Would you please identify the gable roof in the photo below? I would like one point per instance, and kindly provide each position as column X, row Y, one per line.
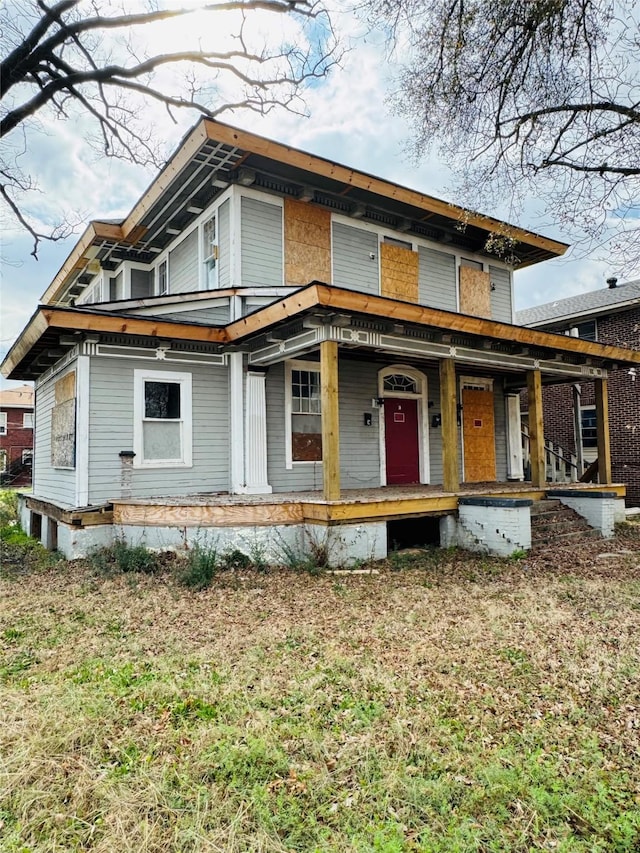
column 583, row 305
column 214, row 156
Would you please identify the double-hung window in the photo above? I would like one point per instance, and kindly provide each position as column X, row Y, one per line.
column 162, row 418
column 210, row 253
column 162, row 278
column 3, row 423
column 27, row 420
column 588, row 426
column 305, row 414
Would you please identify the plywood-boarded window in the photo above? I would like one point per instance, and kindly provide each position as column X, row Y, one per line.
column 475, row 290
column 398, row 271
column 307, row 243
column 63, row 423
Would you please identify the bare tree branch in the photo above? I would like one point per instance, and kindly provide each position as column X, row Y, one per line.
column 63, row 62
column 528, row 99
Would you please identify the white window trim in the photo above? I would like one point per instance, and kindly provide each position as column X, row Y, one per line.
column 289, row 367
column 164, row 259
column 186, row 418
column 3, row 423
column 27, row 420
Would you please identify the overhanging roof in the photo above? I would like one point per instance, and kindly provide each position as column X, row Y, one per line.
column 214, row 156
column 51, row 327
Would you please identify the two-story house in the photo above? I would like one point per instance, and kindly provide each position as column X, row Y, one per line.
column 609, row 315
column 277, row 346
column 16, row 435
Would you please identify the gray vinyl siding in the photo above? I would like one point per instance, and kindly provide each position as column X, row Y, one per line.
column 111, row 430
column 262, row 253
column 183, row 265
column 53, row 484
column 217, row 316
column 141, row 284
column 435, row 433
column 224, row 244
column 500, row 421
column 437, row 286
column 255, row 303
column 501, row 307
column 359, row 445
column 353, row 266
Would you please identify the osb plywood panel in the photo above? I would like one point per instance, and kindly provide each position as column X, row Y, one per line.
column 479, row 436
column 307, row 243
column 475, row 292
column 398, row 272
column 66, row 388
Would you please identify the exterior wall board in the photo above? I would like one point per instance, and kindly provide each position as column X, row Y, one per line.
column 224, row 245
column 262, row 261
column 111, row 430
column 437, row 279
column 501, row 304
column 353, row 266
column 359, row 445
column 183, row 265
column 217, row 316
column 53, row 484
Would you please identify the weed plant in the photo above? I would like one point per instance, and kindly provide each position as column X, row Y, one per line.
column 198, row 569
column 125, row 558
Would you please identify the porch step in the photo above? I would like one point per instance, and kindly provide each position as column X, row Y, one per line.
column 553, row 523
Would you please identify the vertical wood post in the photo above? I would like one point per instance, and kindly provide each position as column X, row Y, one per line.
column 602, row 429
column 449, row 415
column 330, row 422
column 536, row 428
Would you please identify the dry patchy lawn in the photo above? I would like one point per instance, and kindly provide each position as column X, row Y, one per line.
column 447, row 703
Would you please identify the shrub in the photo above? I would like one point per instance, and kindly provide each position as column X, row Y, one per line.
column 8, row 507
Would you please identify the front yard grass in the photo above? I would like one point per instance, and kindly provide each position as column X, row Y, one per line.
column 447, row 703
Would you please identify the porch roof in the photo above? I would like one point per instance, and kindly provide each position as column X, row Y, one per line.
column 54, row 330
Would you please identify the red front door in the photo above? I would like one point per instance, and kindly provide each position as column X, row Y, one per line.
column 401, row 441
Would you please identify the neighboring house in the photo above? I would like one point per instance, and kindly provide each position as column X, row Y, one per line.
column 609, row 315
column 16, row 435
column 273, row 347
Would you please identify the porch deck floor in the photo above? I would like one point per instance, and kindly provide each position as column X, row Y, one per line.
column 377, row 494
column 354, row 505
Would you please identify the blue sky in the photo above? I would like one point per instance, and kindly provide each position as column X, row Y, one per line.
column 348, row 121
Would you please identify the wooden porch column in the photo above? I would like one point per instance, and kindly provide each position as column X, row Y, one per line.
column 536, row 428
column 330, row 422
column 449, row 415
column 602, row 430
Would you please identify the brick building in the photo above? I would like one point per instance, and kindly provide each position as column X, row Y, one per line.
column 610, row 316
column 16, row 435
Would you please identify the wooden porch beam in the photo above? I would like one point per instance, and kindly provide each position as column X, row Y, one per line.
column 536, row 428
column 330, row 422
column 449, row 415
column 602, row 430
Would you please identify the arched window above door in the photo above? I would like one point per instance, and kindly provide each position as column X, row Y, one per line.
column 400, row 383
